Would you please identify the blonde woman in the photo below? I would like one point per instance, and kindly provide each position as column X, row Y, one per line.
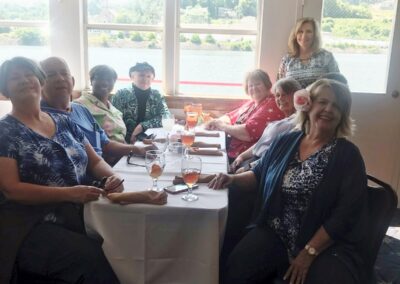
column 311, row 206
column 306, row 61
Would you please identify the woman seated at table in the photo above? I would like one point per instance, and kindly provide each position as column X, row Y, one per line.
column 44, row 159
column 306, row 60
column 246, row 123
column 283, row 91
column 102, row 78
column 311, row 200
column 142, row 107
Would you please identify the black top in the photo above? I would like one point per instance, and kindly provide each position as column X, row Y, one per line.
column 142, row 97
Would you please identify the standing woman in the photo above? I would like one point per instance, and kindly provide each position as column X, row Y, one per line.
column 306, row 60
column 102, row 78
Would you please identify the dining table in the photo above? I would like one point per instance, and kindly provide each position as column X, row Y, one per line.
column 178, row 242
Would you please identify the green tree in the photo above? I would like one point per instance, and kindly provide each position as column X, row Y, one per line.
column 340, row 9
column 29, row 37
column 196, row 39
column 247, row 8
column 210, row 39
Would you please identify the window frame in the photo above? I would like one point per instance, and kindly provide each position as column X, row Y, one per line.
column 171, row 30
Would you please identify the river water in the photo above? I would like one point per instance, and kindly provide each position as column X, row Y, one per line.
column 364, row 72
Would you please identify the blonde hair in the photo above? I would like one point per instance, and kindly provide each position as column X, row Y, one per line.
column 294, row 48
column 342, row 94
column 257, row 74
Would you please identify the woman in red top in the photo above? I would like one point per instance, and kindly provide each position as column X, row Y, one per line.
column 246, row 123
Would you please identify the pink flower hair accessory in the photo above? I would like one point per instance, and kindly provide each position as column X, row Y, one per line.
column 302, row 100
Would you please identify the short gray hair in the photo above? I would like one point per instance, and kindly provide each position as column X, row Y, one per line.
column 20, row 61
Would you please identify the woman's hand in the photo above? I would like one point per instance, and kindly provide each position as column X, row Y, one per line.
column 141, row 151
column 114, row 184
column 236, row 163
column 156, row 197
column 215, row 124
column 83, row 193
column 298, row 269
column 220, row 181
column 133, row 139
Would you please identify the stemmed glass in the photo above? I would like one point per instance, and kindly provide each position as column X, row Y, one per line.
column 187, row 138
column 191, row 169
column 155, row 163
column 191, row 119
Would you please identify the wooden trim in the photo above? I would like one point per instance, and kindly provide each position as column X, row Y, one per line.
column 214, row 105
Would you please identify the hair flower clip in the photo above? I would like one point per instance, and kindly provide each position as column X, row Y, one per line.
column 302, row 100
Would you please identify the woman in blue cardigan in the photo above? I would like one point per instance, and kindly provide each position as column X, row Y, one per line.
column 311, row 199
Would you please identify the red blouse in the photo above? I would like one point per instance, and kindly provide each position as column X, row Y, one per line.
column 256, row 118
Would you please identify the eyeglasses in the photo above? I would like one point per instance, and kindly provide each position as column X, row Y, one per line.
column 128, row 160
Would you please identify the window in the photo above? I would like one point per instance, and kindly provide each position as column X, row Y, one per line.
column 24, row 29
column 358, row 33
column 123, row 32
column 217, row 45
column 213, row 35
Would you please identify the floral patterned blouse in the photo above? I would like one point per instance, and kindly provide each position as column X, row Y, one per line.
column 126, row 101
column 59, row 161
column 299, row 181
column 320, row 63
column 107, row 116
column 256, row 118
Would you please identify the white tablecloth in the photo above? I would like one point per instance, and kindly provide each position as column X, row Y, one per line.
column 175, row 243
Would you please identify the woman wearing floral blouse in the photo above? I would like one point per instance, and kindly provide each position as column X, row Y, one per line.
column 141, row 106
column 102, row 78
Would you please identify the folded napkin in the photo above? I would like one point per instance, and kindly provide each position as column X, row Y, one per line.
column 202, row 179
column 205, row 152
column 200, row 144
column 206, row 134
column 147, row 196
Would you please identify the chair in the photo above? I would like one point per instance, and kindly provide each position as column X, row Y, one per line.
column 382, row 203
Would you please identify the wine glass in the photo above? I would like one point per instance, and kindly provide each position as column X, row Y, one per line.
column 191, row 169
column 191, row 119
column 162, row 141
column 187, row 138
column 155, row 163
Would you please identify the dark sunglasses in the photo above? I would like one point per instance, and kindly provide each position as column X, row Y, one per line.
column 128, row 160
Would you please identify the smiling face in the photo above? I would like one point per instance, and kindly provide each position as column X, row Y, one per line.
column 305, row 36
column 23, row 85
column 142, row 79
column 325, row 114
column 102, row 85
column 59, row 83
column 284, row 101
column 257, row 90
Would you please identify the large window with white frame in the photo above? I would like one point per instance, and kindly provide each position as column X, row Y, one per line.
column 359, row 34
column 24, row 29
column 207, row 46
column 123, row 32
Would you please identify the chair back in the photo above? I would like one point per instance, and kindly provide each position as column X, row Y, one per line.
column 382, row 203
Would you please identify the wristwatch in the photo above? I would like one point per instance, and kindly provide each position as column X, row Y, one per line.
column 311, row 250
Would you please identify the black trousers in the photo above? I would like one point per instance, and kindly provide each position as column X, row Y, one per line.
column 54, row 254
column 260, row 257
